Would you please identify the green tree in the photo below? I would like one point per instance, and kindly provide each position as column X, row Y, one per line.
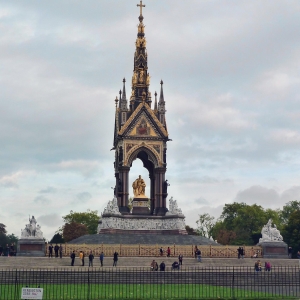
column 73, row 231
column 205, row 225
column 2, row 228
column 291, row 232
column 241, row 224
column 57, row 239
column 287, row 209
column 190, row 230
column 230, row 212
column 89, row 218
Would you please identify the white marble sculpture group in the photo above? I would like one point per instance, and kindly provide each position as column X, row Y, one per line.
column 32, row 230
column 115, row 222
column 270, row 234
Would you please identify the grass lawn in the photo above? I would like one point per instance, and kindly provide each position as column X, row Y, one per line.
column 136, row 291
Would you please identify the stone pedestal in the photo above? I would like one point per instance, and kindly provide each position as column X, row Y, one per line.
column 31, row 247
column 274, row 249
column 140, row 206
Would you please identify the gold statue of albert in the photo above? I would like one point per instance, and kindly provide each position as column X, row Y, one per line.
column 139, row 186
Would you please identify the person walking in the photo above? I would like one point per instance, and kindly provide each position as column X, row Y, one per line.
column 7, row 250
column 1, row 250
column 72, row 258
column 290, row 251
column 60, row 251
column 91, row 258
column 161, row 251
column 101, row 258
column 199, row 255
column 116, row 254
column 50, row 248
column 180, row 258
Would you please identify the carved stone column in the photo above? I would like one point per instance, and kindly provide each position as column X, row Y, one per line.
column 160, row 198
column 123, row 192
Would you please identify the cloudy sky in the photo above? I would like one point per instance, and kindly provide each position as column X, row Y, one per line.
column 231, row 72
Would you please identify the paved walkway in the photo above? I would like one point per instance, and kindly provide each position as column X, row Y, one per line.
column 134, row 262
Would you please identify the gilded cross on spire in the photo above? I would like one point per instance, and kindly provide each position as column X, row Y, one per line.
column 141, row 5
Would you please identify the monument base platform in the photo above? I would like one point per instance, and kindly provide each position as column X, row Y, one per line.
column 274, row 249
column 31, row 247
column 146, row 224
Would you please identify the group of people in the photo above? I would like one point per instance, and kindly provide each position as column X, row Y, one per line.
column 58, row 250
column 161, row 251
column 258, row 268
column 91, row 258
column 162, row 267
column 8, row 250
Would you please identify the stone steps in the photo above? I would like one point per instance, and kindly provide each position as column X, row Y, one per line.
column 135, row 262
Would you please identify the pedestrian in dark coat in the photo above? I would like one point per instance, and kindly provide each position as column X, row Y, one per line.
column 91, row 258
column 56, row 248
column 101, row 258
column 72, row 258
column 50, row 248
column 116, row 254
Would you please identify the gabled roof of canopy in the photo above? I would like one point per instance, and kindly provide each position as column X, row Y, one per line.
column 144, row 107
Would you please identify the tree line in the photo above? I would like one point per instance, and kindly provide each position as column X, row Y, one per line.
column 241, row 224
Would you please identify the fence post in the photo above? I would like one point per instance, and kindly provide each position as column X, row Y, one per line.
column 89, row 290
column 232, row 285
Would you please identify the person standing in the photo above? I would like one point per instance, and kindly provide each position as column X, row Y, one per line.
column 72, row 258
column 1, row 250
column 60, row 251
column 7, row 250
column 242, row 252
column 101, row 258
column 116, row 254
column 161, row 251
column 50, row 248
column 91, row 258
column 180, row 258
column 81, row 256
column 168, row 252
column 290, row 251
column 56, row 248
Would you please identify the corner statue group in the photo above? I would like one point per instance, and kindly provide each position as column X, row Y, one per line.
column 139, row 187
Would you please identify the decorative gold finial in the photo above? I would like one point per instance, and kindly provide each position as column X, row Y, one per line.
column 141, row 5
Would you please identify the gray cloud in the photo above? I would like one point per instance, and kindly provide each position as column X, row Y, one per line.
column 201, row 201
column 50, row 220
column 83, row 197
column 41, row 200
column 48, row 190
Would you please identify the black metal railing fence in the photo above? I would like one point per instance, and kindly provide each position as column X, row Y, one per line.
column 142, row 283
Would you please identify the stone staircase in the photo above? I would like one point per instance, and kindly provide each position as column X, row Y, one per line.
column 135, row 262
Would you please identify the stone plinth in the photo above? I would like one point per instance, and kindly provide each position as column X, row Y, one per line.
column 140, row 206
column 134, row 224
column 31, row 247
column 274, row 249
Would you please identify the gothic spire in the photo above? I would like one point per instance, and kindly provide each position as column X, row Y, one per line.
column 155, row 103
column 161, row 97
column 124, row 90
